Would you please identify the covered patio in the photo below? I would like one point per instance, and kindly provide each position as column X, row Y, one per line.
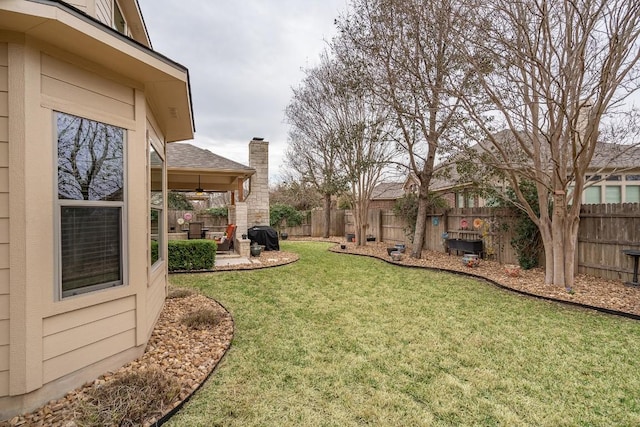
column 200, row 172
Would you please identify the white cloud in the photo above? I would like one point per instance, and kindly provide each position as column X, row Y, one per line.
column 243, row 58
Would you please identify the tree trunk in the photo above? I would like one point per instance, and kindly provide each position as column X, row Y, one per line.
column 327, row 216
column 421, row 227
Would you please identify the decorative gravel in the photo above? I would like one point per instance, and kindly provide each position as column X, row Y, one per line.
column 189, row 355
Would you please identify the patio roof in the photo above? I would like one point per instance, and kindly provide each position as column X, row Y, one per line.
column 190, row 167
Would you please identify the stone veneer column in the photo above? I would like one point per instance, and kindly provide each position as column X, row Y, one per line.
column 258, row 200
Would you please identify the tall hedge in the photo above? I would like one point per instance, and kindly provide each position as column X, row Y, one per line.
column 196, row 254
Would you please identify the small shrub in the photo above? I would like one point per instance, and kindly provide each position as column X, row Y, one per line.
column 129, row 400
column 200, row 319
column 197, row 254
column 179, row 293
column 281, row 213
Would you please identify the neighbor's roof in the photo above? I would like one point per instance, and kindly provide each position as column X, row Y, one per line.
column 624, row 156
column 388, row 191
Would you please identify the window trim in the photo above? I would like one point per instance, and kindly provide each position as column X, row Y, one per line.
column 59, row 294
column 117, row 11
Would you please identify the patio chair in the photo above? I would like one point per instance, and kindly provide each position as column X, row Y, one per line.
column 195, row 230
column 225, row 243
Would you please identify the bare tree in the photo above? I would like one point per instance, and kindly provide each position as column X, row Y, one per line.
column 416, row 70
column 313, row 148
column 364, row 130
column 551, row 73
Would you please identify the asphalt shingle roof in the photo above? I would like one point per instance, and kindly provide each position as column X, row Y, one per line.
column 183, row 155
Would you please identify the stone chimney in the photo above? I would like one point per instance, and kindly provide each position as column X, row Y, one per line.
column 258, row 199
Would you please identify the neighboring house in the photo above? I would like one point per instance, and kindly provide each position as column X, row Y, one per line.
column 613, row 182
column 456, row 195
column 613, row 177
column 85, row 104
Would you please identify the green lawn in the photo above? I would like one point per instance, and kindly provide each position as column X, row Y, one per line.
column 339, row 340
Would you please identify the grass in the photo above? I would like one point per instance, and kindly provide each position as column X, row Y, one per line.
column 338, row 340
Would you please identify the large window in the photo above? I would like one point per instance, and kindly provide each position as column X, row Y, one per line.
column 90, row 204
column 156, row 197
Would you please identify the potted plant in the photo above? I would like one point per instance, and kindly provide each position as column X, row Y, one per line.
column 255, row 249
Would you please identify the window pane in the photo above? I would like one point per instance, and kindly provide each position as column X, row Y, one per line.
column 156, row 221
column 592, row 195
column 90, row 162
column 613, row 194
column 633, row 178
column 156, row 165
column 91, row 246
column 119, row 22
column 633, row 193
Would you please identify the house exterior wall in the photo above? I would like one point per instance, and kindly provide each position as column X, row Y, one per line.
column 48, row 344
column 104, row 11
column 4, row 219
column 382, row 204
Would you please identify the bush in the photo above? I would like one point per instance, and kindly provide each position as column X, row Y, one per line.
column 192, row 254
column 280, row 213
column 222, row 211
column 178, row 201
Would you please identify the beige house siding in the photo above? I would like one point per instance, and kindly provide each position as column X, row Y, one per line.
column 86, row 336
column 155, row 300
column 80, row 335
column 75, row 339
column 83, row 5
column 4, row 220
column 53, row 59
column 63, row 81
column 104, row 11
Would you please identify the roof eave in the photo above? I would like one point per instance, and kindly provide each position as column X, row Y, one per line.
column 166, row 83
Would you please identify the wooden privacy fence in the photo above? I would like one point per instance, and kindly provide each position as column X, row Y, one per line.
column 214, row 223
column 605, row 230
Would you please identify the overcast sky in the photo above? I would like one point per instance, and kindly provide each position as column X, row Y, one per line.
column 243, row 59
